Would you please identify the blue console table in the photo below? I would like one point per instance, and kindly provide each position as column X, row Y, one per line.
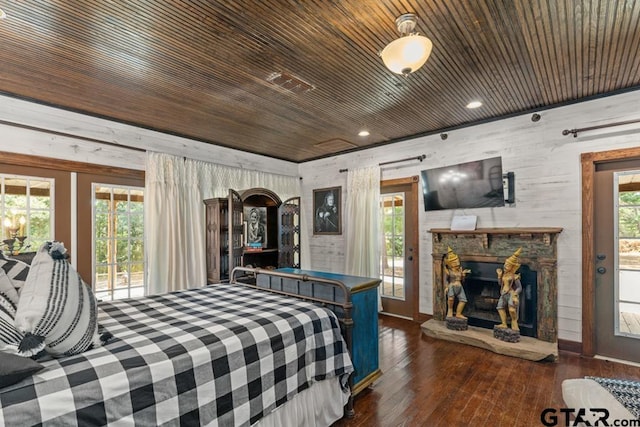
column 364, row 297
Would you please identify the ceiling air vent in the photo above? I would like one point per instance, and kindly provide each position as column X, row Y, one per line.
column 290, row 83
column 334, row 145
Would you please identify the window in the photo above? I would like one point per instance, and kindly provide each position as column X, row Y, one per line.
column 118, row 241
column 27, row 212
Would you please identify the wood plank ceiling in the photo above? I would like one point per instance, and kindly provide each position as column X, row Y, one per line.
column 204, row 69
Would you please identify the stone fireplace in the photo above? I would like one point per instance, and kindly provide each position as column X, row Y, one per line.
column 483, row 251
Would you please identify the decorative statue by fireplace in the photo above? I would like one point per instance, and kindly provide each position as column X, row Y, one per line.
column 454, row 276
column 510, row 288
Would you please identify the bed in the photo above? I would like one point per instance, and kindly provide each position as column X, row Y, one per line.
column 223, row 354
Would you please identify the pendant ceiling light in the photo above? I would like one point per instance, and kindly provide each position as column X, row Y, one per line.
column 408, row 53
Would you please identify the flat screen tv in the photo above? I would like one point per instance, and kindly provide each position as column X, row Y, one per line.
column 475, row 184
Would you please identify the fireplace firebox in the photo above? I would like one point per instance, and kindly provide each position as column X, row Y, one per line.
column 482, row 289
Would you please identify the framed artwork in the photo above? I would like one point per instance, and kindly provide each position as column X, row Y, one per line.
column 327, row 212
column 256, row 226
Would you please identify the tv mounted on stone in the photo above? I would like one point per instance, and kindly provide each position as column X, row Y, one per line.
column 476, row 184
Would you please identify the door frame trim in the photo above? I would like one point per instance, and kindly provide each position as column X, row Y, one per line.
column 415, row 242
column 588, row 166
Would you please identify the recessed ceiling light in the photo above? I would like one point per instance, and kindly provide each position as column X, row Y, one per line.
column 363, row 133
column 474, row 104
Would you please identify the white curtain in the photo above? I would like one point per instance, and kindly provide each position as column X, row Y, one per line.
column 216, row 180
column 362, row 222
column 165, row 230
column 195, row 261
column 175, row 214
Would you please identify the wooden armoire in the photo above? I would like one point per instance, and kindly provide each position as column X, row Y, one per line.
column 226, row 226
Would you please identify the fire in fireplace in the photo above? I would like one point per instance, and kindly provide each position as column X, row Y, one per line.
column 483, row 290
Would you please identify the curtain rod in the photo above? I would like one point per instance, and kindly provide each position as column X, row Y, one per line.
column 420, row 158
column 575, row 131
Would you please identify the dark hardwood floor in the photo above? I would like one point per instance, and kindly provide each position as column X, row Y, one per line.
column 430, row 382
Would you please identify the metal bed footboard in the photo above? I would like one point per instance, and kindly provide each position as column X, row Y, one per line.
column 306, row 290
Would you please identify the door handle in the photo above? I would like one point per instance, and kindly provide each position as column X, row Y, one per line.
column 601, row 270
column 410, row 258
column 601, row 257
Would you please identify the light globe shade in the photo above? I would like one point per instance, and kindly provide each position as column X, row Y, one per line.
column 406, row 54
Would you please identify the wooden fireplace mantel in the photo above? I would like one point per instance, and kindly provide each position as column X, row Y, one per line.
column 545, row 233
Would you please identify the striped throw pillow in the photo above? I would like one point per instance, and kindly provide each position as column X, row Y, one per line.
column 10, row 337
column 16, row 270
column 57, row 310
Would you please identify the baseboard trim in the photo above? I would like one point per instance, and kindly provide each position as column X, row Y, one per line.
column 395, row 315
column 570, row 346
column 611, row 359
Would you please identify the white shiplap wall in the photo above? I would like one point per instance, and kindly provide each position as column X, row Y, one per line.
column 548, row 184
column 54, row 122
column 546, row 165
column 34, row 129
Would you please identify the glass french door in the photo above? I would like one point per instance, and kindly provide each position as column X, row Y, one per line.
column 399, row 242
column 627, row 255
column 118, row 241
column 617, row 260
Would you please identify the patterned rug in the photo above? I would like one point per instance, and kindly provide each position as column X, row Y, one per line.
column 625, row 391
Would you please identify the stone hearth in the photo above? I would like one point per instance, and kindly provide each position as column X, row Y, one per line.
column 494, row 245
column 528, row 348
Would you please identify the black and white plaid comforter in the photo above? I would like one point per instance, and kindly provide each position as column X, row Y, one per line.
column 219, row 355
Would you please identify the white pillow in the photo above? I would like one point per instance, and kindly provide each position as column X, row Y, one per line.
column 57, row 310
column 10, row 337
